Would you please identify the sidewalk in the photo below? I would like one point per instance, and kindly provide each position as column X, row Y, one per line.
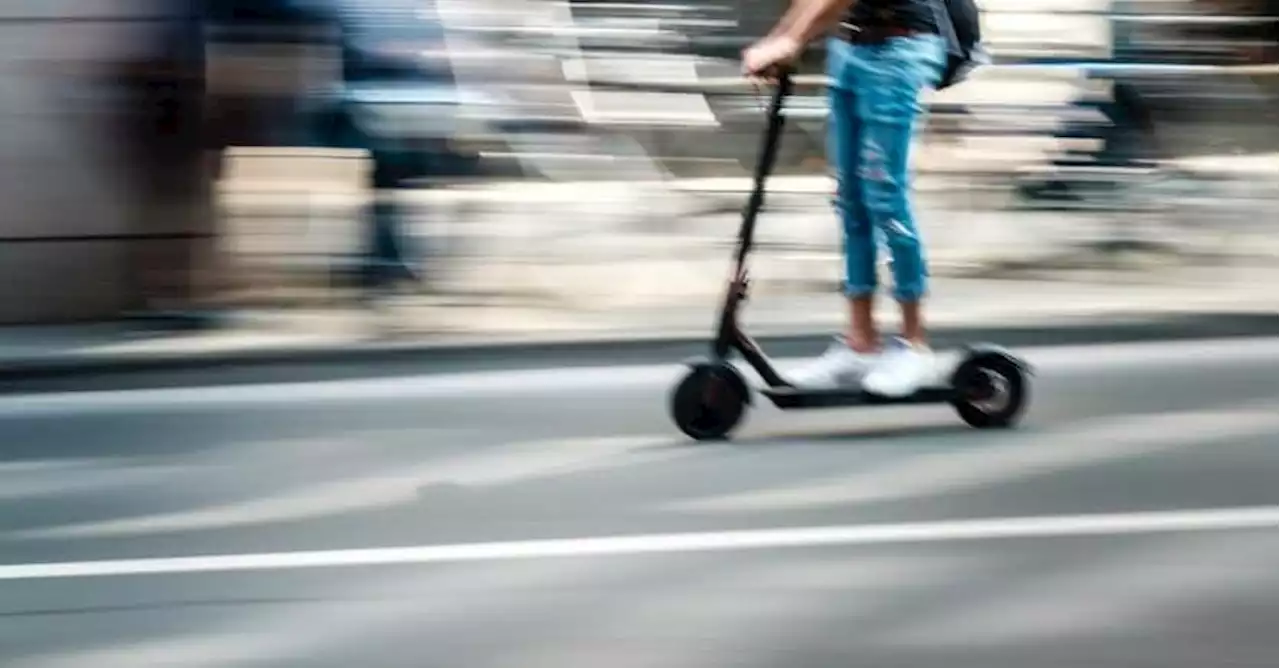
column 626, row 245
column 295, row 211
column 433, row 326
column 537, row 263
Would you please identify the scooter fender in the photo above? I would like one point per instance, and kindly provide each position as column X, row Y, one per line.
column 989, row 350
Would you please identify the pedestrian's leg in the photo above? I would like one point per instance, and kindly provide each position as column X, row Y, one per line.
column 386, row 262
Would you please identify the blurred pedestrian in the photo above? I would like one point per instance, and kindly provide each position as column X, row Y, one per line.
column 386, row 49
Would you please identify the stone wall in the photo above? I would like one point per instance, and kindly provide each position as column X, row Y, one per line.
column 75, row 217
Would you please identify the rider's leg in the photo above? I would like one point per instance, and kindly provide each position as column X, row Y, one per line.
column 848, row 358
column 858, row 233
column 888, row 99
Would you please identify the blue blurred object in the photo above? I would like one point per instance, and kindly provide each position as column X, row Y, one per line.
column 392, row 40
column 398, row 96
column 397, row 99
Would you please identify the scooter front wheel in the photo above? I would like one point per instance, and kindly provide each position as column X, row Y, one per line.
column 709, row 401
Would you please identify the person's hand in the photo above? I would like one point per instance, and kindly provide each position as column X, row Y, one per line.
column 762, row 60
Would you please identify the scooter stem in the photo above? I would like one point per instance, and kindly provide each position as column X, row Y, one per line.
column 728, row 333
column 764, row 166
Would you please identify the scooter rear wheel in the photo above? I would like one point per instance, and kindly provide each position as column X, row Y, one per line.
column 991, row 392
column 709, row 401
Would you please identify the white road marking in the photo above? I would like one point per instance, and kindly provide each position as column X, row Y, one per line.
column 1071, row 446
column 268, row 396
column 1262, row 517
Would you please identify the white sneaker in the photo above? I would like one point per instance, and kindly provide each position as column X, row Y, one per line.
column 839, row 366
column 901, row 370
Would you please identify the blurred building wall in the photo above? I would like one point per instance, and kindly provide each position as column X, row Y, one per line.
column 82, row 216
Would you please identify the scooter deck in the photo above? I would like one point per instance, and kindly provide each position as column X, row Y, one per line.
column 797, row 397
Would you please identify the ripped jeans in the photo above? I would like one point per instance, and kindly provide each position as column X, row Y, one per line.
column 874, row 102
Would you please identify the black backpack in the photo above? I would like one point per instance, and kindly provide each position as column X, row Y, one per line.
column 962, row 29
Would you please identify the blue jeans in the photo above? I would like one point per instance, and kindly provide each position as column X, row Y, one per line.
column 874, row 103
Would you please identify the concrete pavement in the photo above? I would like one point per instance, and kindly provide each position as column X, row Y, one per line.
column 1129, row 522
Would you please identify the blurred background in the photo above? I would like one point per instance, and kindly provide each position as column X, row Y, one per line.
column 181, row 161
column 339, row 333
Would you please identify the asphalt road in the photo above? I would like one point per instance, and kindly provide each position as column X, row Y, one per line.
column 554, row 518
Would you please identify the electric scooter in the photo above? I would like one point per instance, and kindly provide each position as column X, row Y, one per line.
column 988, row 388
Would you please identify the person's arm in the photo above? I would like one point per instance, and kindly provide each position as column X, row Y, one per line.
column 804, row 20
column 807, row 19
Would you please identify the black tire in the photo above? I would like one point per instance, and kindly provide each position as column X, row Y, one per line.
column 991, row 392
column 709, row 401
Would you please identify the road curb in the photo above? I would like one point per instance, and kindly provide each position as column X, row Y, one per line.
column 316, row 362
